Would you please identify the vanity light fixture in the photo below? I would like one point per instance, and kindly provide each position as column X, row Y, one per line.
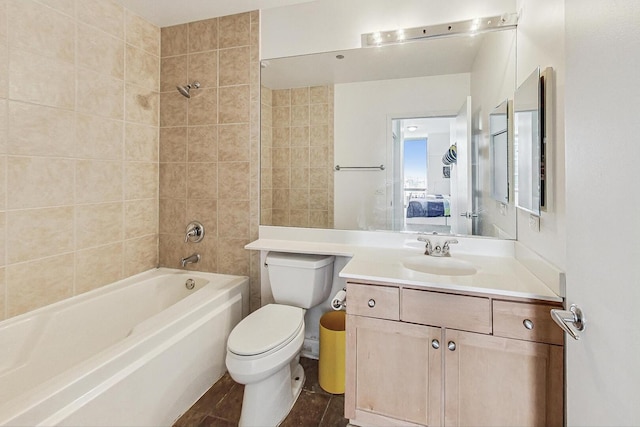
column 470, row 27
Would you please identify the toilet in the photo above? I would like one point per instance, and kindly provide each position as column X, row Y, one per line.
column 263, row 350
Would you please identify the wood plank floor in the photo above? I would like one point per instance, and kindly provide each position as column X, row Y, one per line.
column 221, row 405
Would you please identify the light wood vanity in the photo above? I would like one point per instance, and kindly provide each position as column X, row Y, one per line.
column 419, row 357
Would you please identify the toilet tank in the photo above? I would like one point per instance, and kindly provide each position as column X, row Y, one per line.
column 301, row 280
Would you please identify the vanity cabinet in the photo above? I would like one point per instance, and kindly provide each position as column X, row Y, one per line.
column 418, row 358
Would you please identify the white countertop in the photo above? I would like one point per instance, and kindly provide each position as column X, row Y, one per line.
column 496, row 275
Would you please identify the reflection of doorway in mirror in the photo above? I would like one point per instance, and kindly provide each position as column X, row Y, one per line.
column 421, row 190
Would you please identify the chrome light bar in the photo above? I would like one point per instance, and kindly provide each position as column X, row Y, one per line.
column 468, row 27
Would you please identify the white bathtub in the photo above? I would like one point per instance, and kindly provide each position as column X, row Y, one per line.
column 139, row 351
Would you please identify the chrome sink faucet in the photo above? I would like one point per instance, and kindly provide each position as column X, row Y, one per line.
column 191, row 259
column 438, row 251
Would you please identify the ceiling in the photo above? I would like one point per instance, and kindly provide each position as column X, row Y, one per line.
column 164, row 13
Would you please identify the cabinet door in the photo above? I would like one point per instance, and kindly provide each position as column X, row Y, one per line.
column 394, row 373
column 493, row 381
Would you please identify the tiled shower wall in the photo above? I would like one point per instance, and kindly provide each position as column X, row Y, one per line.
column 79, row 85
column 209, row 144
column 297, row 159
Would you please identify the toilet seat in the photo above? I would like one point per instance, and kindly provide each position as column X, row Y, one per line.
column 266, row 330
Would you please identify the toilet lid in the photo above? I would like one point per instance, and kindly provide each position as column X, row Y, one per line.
column 271, row 326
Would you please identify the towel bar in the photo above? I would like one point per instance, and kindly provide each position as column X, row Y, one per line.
column 339, row 168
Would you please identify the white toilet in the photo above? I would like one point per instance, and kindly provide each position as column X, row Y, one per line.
column 263, row 349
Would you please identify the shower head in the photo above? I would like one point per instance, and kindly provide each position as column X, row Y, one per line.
column 184, row 90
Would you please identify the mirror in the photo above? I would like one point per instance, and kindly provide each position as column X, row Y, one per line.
column 526, row 105
column 334, row 127
column 499, row 151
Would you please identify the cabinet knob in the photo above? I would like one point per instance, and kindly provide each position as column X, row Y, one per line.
column 435, row 344
column 452, row 346
column 527, row 324
column 371, row 303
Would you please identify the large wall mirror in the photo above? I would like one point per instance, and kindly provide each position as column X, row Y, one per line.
column 387, row 138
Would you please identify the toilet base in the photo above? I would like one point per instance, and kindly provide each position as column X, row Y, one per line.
column 268, row 402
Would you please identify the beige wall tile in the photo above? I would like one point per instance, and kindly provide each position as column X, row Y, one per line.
column 300, row 115
column 99, row 266
column 68, row 7
column 299, row 218
column 173, row 72
column 203, row 144
column 300, row 136
column 174, row 40
column 140, row 218
column 205, row 211
column 142, row 105
column 234, row 66
column 318, row 114
column 173, row 216
column 318, row 94
column 281, row 177
column 98, row 181
column 34, row 182
column 100, row 94
column 173, row 109
column 233, row 258
column 319, row 199
column 173, row 180
column 203, row 178
column 208, row 250
column 234, row 30
column 266, row 95
column 233, row 104
column 98, row 137
column 318, row 178
column 3, row 288
column 141, row 180
column 99, row 224
column 54, row 226
column 100, row 52
column 34, row 284
column 281, row 98
column 233, row 219
column 299, row 198
column 172, row 249
column 142, row 34
column 104, row 14
column 40, row 80
column 173, row 144
column 280, row 217
column 318, row 156
column 142, row 68
column 140, row 254
column 203, row 35
column 318, row 219
column 281, row 198
column 299, row 177
column 203, row 68
column 203, row 107
column 233, row 180
column 300, row 96
column 282, row 137
column 319, row 135
column 41, row 30
column 4, row 239
column 281, row 117
column 299, row 157
column 281, row 157
column 234, row 143
column 141, row 142
column 4, row 67
column 40, row 131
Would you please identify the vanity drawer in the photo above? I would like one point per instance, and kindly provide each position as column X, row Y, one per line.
column 531, row 322
column 445, row 310
column 382, row 302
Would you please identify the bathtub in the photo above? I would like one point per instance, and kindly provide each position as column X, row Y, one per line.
column 139, row 351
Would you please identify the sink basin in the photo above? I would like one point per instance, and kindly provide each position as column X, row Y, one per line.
column 444, row 266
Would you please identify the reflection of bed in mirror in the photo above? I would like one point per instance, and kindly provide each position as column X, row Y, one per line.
column 427, row 213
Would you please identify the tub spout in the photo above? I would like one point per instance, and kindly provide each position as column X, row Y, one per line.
column 191, row 259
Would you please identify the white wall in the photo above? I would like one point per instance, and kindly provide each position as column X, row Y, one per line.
column 437, row 145
column 327, row 25
column 541, row 43
column 363, row 113
column 492, row 81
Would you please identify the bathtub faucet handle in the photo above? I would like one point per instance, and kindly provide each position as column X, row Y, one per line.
column 194, row 233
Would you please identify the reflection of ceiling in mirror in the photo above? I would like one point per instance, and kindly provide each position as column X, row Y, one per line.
column 451, row 55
